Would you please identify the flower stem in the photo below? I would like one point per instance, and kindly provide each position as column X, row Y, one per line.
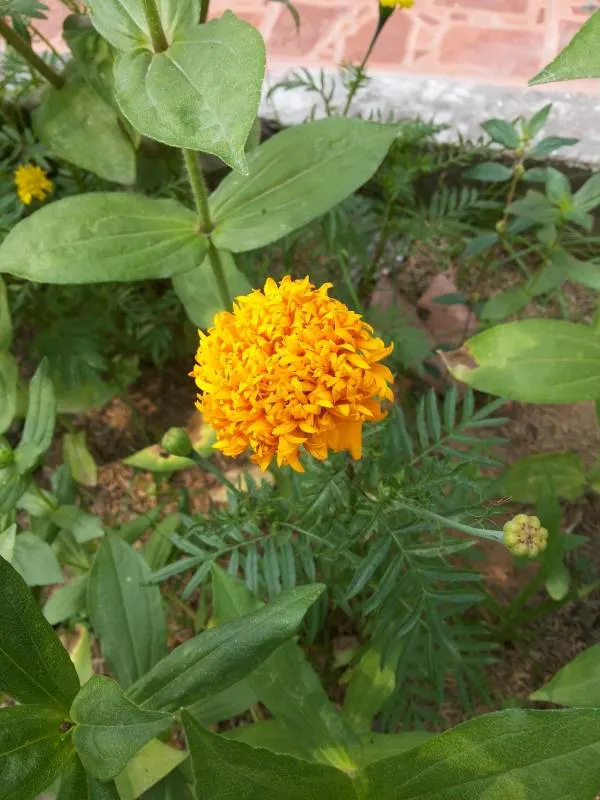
column 19, row 44
column 200, row 193
column 204, row 11
column 157, row 34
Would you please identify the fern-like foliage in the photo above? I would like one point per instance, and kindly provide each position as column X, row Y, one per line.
column 378, row 532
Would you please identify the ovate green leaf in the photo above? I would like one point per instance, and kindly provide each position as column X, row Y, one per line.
column 563, row 356
column 77, row 784
column 295, row 177
column 127, row 616
column 218, row 658
column 104, row 236
column 34, row 666
column 200, row 94
column 578, row 59
column 577, row 684
column 510, row 754
column 259, row 774
column 39, row 422
column 33, row 748
column 35, row 561
column 77, row 125
column 124, row 23
column 110, row 728
column 199, row 293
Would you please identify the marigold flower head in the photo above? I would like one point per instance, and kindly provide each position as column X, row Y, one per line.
column 396, row 3
column 524, row 536
column 290, row 368
column 31, row 182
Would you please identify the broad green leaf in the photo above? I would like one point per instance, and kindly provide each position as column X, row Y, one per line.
column 224, row 705
column 77, row 784
column 536, row 207
column 506, row 303
column 34, row 666
column 534, row 125
column 39, row 422
column 66, row 601
column 77, row 125
column 157, row 549
column 490, row 171
column 206, row 101
column 533, row 477
column 12, row 487
column 576, row 684
column 82, row 525
column 578, row 59
column 376, row 746
column 124, row 23
column 110, row 728
column 558, row 582
column 558, row 187
column 104, row 236
column 259, row 774
column 173, row 787
column 587, row 273
column 92, row 54
column 8, row 540
column 588, row 197
column 370, row 685
column 216, row 659
column 154, row 459
column 563, row 356
column 78, row 458
column 149, row 766
column 510, row 754
column 549, row 144
column 9, row 377
column 126, row 615
column 287, row 684
column 295, row 177
column 5, row 319
column 33, row 748
column 199, row 293
column 501, row 131
column 131, row 531
column 35, row 561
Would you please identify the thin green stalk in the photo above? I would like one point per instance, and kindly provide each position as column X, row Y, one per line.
column 200, row 194
column 342, row 260
column 19, row 44
column 48, row 44
column 481, row 533
column 205, row 4
column 157, row 34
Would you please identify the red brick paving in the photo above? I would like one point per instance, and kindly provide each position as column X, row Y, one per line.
column 497, row 41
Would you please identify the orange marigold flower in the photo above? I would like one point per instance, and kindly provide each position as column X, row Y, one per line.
column 289, row 368
column 31, row 182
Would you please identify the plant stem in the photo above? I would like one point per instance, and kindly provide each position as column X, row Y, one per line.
column 204, row 11
column 157, row 34
column 199, row 189
column 19, row 44
column 48, row 44
column 200, row 194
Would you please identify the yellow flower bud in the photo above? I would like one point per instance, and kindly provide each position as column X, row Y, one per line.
column 396, row 3
column 524, row 536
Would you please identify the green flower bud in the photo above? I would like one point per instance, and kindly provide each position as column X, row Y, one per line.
column 524, row 536
column 176, row 442
column 519, row 170
column 500, row 226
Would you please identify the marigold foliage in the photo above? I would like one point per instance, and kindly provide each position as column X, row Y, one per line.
column 32, row 183
column 290, row 368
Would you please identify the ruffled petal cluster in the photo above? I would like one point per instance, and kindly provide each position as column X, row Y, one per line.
column 290, row 368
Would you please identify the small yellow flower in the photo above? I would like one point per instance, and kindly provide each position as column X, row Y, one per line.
column 290, row 368
column 397, row 3
column 31, row 182
column 524, row 536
